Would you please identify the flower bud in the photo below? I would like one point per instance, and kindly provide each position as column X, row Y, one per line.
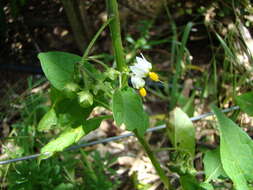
column 85, row 98
column 70, row 89
column 112, row 73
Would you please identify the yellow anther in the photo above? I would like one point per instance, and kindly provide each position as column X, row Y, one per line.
column 153, row 76
column 143, row 92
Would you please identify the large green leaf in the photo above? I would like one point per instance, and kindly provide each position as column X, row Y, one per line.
column 245, row 101
column 58, row 67
column 55, row 95
column 71, row 113
column 182, row 131
column 236, row 151
column 67, row 138
column 213, row 166
column 48, row 120
column 128, row 109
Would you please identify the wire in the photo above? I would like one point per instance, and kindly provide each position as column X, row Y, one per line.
column 106, row 140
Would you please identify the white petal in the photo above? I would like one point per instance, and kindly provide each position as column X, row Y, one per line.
column 141, row 68
column 138, row 71
column 142, row 61
column 137, row 82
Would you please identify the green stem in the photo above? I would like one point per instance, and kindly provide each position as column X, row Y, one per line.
column 154, row 161
column 86, row 53
column 103, row 104
column 98, row 61
column 112, row 8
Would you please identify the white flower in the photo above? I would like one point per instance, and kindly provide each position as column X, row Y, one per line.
column 137, row 82
column 141, row 68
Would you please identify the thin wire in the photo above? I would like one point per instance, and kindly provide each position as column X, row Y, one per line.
column 106, row 140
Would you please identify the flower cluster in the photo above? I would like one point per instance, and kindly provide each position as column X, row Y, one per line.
column 140, row 71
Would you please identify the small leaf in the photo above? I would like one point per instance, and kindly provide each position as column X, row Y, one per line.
column 189, row 182
column 58, row 67
column 182, row 131
column 128, row 109
column 236, row 151
column 245, row 101
column 94, row 123
column 227, row 50
column 213, row 165
column 65, row 186
column 187, row 104
column 206, row 186
column 48, row 120
column 67, row 138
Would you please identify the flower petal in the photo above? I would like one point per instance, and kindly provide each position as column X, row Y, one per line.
column 138, row 71
column 137, row 82
column 142, row 61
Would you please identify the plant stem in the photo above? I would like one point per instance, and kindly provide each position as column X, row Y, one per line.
column 112, row 9
column 87, row 51
column 154, row 161
column 103, row 104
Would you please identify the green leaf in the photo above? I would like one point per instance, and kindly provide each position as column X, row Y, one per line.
column 127, row 109
column 213, row 166
column 94, row 123
column 65, row 186
column 245, row 101
column 55, row 95
column 206, row 186
column 67, row 138
column 72, row 112
column 182, row 131
column 58, row 67
column 236, row 151
column 189, row 182
column 187, row 104
column 227, row 50
column 48, row 120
